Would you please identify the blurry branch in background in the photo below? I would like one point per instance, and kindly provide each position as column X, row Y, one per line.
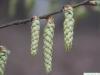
column 12, row 7
column 83, row 3
column 80, row 13
column 14, row 4
column 29, row 4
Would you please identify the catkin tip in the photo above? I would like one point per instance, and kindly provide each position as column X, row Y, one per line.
column 2, row 48
column 35, row 18
column 93, row 2
column 67, row 7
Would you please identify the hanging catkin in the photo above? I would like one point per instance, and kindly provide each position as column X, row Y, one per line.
column 3, row 59
column 35, row 30
column 48, row 44
column 68, row 27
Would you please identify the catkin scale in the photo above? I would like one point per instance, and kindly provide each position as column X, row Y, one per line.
column 35, row 30
column 68, row 27
column 48, row 44
column 3, row 59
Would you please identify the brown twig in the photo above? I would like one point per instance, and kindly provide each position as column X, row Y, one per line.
column 86, row 2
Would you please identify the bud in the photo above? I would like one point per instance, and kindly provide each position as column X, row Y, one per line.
column 95, row 2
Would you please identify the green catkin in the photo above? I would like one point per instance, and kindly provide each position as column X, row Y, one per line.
column 68, row 27
column 48, row 44
column 3, row 59
column 35, row 30
column 95, row 2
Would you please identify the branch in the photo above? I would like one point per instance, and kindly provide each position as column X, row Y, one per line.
column 86, row 2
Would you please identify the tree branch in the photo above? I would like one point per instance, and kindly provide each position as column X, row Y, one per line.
column 86, row 2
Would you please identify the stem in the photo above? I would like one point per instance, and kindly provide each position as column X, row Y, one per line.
column 86, row 2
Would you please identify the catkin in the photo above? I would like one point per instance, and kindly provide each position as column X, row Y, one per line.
column 35, row 30
column 48, row 44
column 68, row 27
column 3, row 59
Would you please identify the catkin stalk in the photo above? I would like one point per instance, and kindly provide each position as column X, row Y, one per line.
column 68, row 27
column 48, row 44
column 35, row 30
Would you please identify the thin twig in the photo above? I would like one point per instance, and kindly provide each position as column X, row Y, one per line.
column 86, row 2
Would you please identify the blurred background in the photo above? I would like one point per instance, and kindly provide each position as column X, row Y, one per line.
column 84, row 56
